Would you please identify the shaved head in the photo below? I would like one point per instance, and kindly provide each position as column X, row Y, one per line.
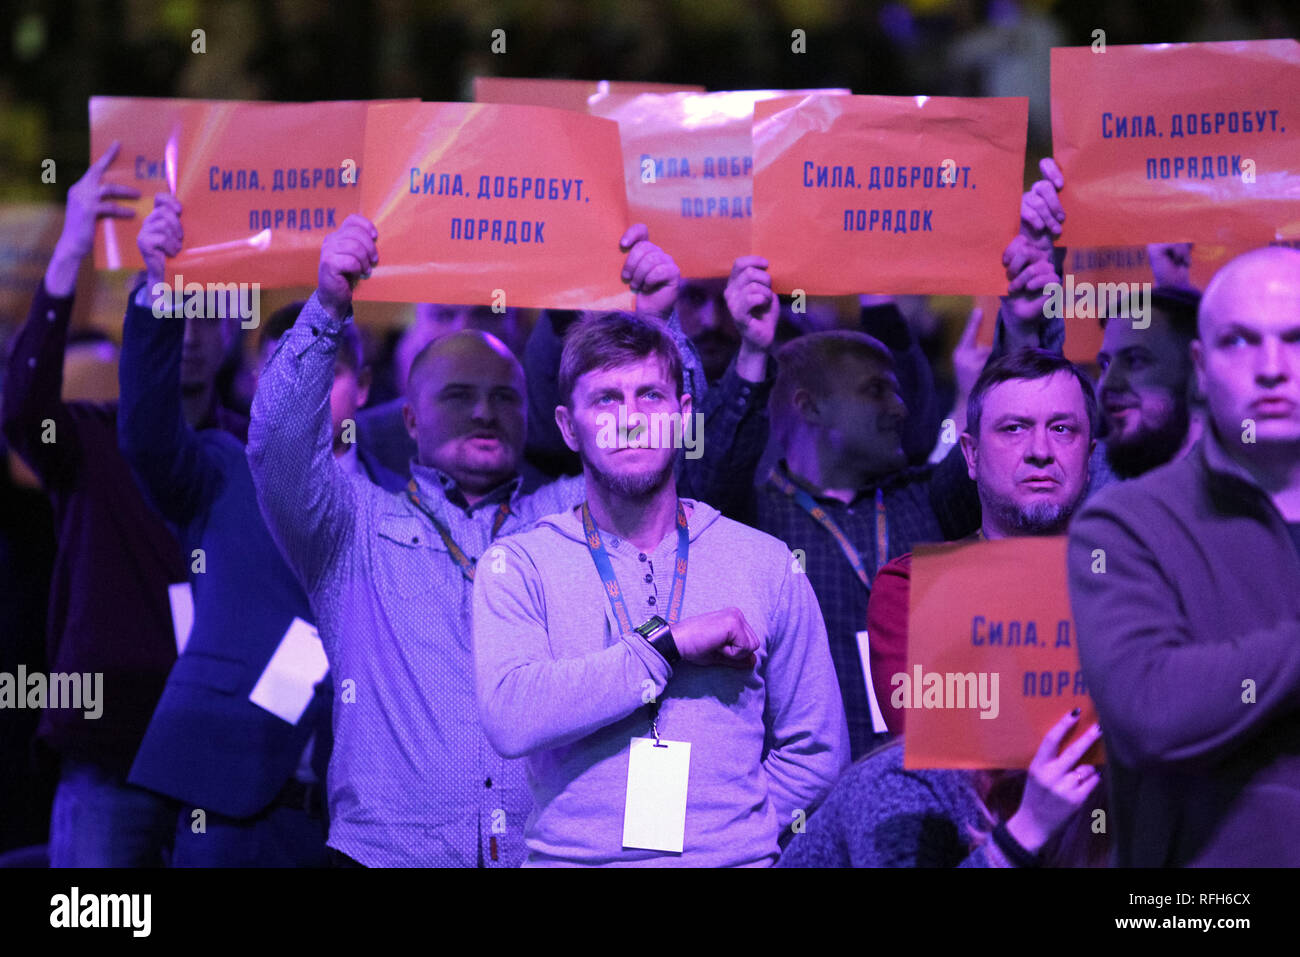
column 1271, row 273
column 465, row 344
column 1248, row 353
column 466, row 409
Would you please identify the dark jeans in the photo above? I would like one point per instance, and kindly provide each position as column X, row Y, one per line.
column 278, row 837
column 98, row 820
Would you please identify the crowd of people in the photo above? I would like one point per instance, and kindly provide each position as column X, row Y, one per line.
column 548, row 648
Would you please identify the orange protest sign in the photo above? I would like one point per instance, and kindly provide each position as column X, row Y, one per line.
column 149, row 130
column 262, row 184
column 1178, row 142
column 562, row 94
column 484, row 204
column 887, row 194
column 688, row 162
column 991, row 657
column 1090, row 275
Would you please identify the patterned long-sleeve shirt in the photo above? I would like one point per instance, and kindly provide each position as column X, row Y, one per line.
column 931, row 503
column 412, row 779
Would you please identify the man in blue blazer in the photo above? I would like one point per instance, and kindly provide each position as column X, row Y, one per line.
column 250, row 781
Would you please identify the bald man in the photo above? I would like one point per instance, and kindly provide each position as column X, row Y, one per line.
column 412, row 780
column 1185, row 585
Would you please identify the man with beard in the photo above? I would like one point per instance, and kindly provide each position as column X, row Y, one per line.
column 1185, row 586
column 412, row 780
column 587, row 641
column 1146, row 385
column 1030, row 424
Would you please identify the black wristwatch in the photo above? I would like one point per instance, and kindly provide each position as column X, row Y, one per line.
column 660, row 636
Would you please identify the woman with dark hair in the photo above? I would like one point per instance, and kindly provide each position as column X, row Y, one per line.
column 880, row 814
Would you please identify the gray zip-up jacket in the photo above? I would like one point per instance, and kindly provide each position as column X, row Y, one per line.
column 558, row 684
column 1185, row 586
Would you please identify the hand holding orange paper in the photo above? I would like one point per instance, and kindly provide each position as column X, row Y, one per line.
column 991, row 657
column 494, row 205
column 1180, row 142
column 887, row 194
column 262, row 184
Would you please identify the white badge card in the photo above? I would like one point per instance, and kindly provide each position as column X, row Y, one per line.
column 286, row 686
column 655, row 815
column 181, row 597
column 864, row 652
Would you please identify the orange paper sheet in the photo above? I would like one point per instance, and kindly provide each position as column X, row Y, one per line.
column 562, row 94
column 688, row 162
column 990, row 608
column 262, row 184
column 1178, row 142
column 1129, row 264
column 1096, row 265
column 887, row 194
column 485, row 204
column 149, row 130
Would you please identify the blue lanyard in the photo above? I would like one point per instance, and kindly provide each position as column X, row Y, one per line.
column 606, row 569
column 457, row 553
column 822, row 518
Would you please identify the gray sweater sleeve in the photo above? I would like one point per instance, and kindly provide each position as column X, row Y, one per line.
column 807, row 731
column 530, row 701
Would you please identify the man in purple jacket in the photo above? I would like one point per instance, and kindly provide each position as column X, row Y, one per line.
column 108, row 609
column 1185, row 585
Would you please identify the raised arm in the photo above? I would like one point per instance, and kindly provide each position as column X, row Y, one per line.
column 308, row 503
column 1030, row 267
column 179, row 472
column 36, row 422
column 736, row 430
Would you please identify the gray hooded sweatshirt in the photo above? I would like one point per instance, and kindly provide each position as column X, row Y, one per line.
column 558, row 684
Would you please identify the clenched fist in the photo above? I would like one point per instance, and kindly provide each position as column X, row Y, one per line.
column 161, row 236
column 650, row 273
column 718, row 638
column 347, row 255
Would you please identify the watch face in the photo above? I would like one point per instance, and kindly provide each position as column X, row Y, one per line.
column 651, row 626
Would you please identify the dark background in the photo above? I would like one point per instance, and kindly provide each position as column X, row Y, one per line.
column 55, row 55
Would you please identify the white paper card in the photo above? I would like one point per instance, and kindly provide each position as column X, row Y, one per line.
column 655, row 815
column 181, row 597
column 287, row 684
column 864, row 652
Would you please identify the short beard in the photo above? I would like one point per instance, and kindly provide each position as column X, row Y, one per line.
column 1153, row 447
column 1039, row 518
column 634, row 487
